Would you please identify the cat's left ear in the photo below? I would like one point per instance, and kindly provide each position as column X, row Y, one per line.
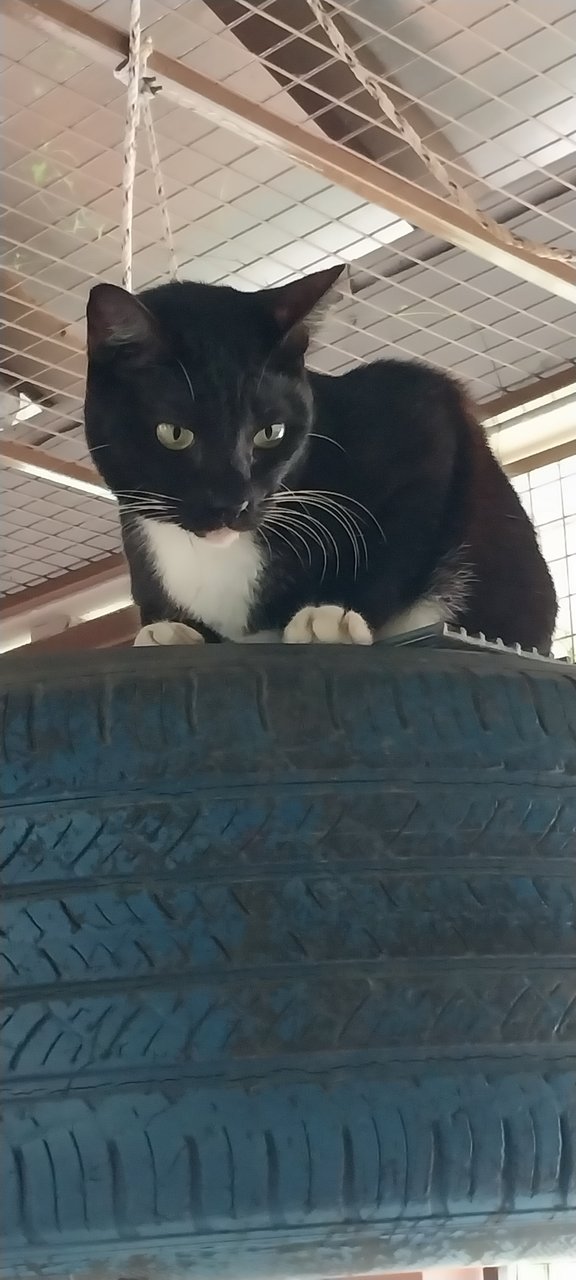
column 299, row 307
column 117, row 320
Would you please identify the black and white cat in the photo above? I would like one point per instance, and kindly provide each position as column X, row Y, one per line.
column 259, row 500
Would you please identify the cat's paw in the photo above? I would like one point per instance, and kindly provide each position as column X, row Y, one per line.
column 158, row 633
column 327, row 624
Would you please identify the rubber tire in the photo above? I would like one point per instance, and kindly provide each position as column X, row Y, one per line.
column 289, row 962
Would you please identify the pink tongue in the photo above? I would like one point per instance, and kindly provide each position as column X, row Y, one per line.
column 223, row 537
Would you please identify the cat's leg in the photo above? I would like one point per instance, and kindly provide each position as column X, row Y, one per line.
column 159, row 633
column 327, row 624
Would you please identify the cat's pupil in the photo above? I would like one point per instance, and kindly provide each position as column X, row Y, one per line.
column 176, row 432
column 269, row 433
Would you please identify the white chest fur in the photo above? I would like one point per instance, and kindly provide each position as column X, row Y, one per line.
column 215, row 584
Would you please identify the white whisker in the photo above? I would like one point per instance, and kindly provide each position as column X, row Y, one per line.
column 185, row 372
column 350, row 528
column 349, row 523
column 146, row 493
column 304, row 494
column 287, row 541
column 302, row 520
column 158, row 519
column 147, row 502
column 266, row 540
column 348, row 520
column 273, row 524
column 140, row 509
column 315, row 435
column 312, row 520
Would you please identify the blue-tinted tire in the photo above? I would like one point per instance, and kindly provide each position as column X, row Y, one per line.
column 288, row 962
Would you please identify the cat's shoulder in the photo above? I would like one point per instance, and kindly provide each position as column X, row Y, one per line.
column 396, row 379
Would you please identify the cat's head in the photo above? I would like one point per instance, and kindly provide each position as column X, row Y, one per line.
column 197, row 400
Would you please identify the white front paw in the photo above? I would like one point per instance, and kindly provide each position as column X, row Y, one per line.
column 158, row 633
column 327, row 624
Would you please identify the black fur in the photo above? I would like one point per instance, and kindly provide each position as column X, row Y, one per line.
column 423, row 507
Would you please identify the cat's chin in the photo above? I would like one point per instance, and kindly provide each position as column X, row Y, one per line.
column 220, row 537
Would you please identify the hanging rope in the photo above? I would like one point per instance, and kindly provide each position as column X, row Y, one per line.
column 160, row 188
column 141, row 87
column 432, row 162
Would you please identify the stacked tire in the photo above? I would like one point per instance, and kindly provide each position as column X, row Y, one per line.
column 289, row 974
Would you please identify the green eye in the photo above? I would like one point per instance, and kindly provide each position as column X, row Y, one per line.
column 269, row 437
column 174, row 437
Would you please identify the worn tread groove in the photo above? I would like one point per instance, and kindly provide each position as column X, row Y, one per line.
column 438, row 1170
column 195, row 1181
column 117, row 1186
column 82, row 1178
column 24, row 1207
column 231, row 1169
column 508, row 1166
column 272, row 1178
column 566, row 1159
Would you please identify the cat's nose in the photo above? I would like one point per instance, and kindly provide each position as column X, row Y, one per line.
column 229, row 512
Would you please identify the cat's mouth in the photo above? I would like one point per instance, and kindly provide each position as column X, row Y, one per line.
column 224, row 534
column 220, row 537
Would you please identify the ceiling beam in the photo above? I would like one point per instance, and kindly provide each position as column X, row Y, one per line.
column 544, row 459
column 565, row 380
column 112, row 631
column 223, row 106
column 330, row 90
column 100, row 573
column 31, row 460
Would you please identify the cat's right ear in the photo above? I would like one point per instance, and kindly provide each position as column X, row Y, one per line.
column 117, row 320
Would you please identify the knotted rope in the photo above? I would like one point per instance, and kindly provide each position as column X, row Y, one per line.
column 141, row 88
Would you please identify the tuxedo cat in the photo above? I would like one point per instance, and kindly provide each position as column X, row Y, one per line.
column 258, row 499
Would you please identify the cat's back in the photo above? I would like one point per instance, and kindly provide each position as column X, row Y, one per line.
column 404, row 425
column 394, row 393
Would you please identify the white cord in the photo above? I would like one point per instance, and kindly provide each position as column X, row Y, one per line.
column 141, row 87
column 160, row 188
column 129, row 165
column 432, row 162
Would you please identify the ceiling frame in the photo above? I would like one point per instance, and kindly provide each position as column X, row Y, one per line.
column 27, row 457
column 564, row 380
column 100, row 573
column 259, row 30
column 111, row 631
column 433, row 214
